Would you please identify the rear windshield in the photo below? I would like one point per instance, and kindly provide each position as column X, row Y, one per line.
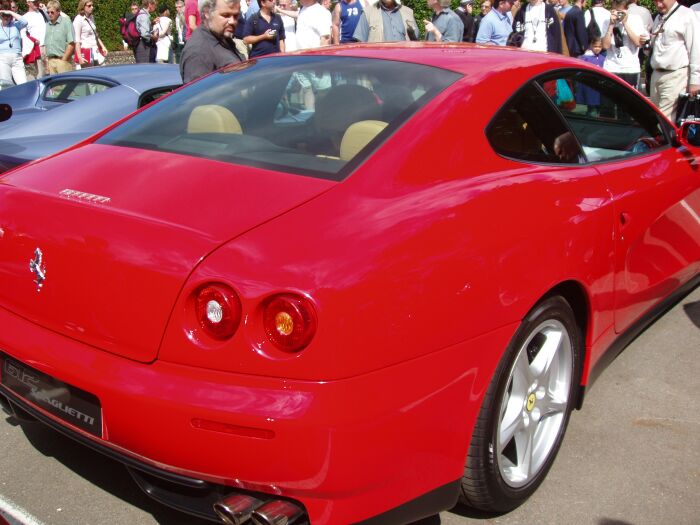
column 311, row 115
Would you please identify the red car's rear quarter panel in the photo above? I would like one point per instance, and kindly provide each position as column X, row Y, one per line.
column 426, row 245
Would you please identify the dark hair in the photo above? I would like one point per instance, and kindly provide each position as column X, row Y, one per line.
column 162, row 8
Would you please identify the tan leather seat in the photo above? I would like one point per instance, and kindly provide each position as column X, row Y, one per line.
column 338, row 109
column 212, row 118
column 358, row 135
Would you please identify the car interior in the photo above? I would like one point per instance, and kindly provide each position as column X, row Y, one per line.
column 305, row 115
column 600, row 118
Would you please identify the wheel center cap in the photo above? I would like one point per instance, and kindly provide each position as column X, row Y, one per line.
column 530, row 402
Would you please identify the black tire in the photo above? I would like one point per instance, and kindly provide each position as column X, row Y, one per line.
column 497, row 475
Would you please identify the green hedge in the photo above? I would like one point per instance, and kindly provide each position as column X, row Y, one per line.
column 108, row 12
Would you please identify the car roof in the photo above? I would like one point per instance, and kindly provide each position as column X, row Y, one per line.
column 138, row 76
column 460, row 57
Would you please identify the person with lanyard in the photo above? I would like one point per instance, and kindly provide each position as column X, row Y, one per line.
column 675, row 56
column 444, row 25
column 264, row 31
column 539, row 23
column 346, row 15
column 86, row 37
column 11, row 63
column 496, row 25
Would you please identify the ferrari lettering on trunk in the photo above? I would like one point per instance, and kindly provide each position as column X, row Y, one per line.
column 83, row 196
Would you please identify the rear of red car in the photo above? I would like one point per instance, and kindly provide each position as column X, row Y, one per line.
column 163, row 301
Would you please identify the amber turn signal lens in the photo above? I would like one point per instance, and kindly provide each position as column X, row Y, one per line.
column 218, row 310
column 290, row 321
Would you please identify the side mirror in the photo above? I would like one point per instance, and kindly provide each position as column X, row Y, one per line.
column 690, row 132
column 5, row 112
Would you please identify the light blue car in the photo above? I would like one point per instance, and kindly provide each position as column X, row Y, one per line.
column 44, row 116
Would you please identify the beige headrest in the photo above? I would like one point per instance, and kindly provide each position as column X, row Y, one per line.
column 358, row 135
column 212, row 118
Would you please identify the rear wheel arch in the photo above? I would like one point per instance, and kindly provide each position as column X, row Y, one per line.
column 577, row 297
column 556, row 326
column 575, row 294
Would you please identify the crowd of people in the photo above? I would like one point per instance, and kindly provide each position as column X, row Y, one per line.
column 204, row 35
column 45, row 41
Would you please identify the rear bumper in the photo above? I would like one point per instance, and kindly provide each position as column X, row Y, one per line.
column 346, row 450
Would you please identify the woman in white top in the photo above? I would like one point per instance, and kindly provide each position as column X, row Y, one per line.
column 164, row 27
column 86, row 36
column 624, row 36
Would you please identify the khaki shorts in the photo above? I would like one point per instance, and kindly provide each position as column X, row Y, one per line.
column 58, row 65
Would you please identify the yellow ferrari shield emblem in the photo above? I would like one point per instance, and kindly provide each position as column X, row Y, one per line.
column 530, row 402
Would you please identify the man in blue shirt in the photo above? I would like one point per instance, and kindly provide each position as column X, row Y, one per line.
column 445, row 25
column 496, row 25
column 264, row 31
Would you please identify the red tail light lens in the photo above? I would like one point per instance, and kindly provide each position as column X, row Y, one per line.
column 290, row 322
column 218, row 310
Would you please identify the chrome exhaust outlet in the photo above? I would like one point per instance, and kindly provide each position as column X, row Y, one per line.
column 236, row 509
column 277, row 512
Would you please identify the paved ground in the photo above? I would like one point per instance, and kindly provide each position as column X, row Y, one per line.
column 631, row 457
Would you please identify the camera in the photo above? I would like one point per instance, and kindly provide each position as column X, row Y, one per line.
column 620, row 16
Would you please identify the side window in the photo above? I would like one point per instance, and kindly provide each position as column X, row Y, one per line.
column 608, row 120
column 155, row 94
column 69, row 90
column 528, row 128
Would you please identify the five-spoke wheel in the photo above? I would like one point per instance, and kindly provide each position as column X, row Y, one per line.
column 525, row 410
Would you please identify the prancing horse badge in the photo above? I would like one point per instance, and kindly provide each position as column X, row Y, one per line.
column 38, row 268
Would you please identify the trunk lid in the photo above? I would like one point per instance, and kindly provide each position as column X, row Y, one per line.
column 119, row 230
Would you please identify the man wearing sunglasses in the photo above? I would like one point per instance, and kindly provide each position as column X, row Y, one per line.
column 60, row 40
column 675, row 59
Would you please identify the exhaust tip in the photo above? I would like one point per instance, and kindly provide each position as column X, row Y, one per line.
column 236, row 509
column 277, row 512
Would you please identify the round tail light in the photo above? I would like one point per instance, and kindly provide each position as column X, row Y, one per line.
column 218, row 310
column 290, row 322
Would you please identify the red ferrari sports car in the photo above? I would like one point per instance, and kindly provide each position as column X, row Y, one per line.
column 345, row 286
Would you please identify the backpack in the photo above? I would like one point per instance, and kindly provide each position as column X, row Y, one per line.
column 592, row 29
column 127, row 26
